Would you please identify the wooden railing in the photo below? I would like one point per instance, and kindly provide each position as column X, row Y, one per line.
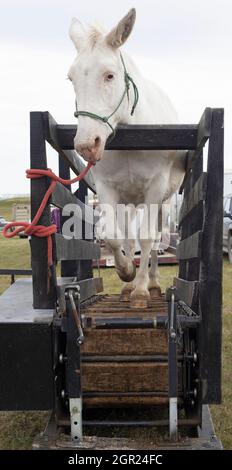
column 199, row 281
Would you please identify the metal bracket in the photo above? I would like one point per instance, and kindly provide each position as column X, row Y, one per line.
column 172, row 367
column 72, row 325
column 73, row 294
column 75, row 407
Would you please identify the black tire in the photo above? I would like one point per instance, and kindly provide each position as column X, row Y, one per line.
column 230, row 248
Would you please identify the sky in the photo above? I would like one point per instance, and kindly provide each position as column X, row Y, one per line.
column 183, row 46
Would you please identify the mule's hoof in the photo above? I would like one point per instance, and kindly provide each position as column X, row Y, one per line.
column 125, row 296
column 155, row 292
column 126, row 292
column 138, row 302
column 139, row 299
column 125, row 276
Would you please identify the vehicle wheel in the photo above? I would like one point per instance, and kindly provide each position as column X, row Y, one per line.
column 230, row 248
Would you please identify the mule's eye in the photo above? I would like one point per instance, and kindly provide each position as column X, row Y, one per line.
column 109, row 77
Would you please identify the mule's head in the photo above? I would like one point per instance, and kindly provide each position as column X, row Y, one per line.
column 98, row 78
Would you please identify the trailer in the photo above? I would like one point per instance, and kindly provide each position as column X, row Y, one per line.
column 68, row 348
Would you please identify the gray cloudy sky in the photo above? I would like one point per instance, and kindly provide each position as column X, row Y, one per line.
column 184, row 46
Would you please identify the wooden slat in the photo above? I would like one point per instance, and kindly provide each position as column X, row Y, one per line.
column 75, row 249
column 203, row 133
column 62, row 196
column 68, row 268
column 141, row 137
column 187, row 291
column 124, row 377
column 126, row 401
column 192, row 198
column 190, row 247
column 75, row 162
column 88, row 288
column 127, row 342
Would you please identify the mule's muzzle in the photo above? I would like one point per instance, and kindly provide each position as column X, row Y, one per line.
column 91, row 151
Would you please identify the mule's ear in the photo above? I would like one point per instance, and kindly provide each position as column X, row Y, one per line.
column 121, row 32
column 77, row 33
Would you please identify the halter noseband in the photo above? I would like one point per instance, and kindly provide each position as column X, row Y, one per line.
column 105, row 119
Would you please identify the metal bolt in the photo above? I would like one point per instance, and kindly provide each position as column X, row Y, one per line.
column 61, row 358
column 195, row 392
column 74, row 410
column 173, row 335
column 63, row 393
column 192, row 402
column 195, row 357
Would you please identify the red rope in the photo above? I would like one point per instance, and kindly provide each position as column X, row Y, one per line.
column 41, row 230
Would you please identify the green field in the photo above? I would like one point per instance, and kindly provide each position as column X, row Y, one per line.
column 17, row 430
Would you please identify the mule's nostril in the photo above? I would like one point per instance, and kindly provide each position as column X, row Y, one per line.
column 97, row 141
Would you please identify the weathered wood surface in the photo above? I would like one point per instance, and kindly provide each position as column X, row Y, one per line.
column 141, row 137
column 72, row 249
column 191, row 199
column 203, row 134
column 190, row 247
column 109, row 342
column 124, row 377
column 117, row 401
column 211, row 265
column 124, row 374
column 88, row 288
column 43, row 288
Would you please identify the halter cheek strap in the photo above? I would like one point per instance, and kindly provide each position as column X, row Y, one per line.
column 128, row 80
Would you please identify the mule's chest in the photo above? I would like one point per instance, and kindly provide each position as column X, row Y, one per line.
column 132, row 173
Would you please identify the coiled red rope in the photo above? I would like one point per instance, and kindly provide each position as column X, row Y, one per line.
column 42, row 230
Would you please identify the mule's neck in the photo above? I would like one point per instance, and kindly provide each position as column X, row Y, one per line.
column 134, row 73
column 154, row 106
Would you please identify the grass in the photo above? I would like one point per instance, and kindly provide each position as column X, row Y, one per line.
column 17, row 430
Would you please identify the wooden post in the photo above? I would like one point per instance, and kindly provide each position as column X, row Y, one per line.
column 211, row 265
column 43, row 287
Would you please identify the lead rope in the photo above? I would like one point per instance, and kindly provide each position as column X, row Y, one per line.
column 128, row 80
column 42, row 230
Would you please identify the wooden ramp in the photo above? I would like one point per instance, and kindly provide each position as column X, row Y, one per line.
column 123, row 367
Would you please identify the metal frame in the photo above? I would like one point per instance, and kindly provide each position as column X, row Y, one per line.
column 202, row 332
column 205, row 439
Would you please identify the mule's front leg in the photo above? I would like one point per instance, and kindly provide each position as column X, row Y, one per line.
column 124, row 265
column 140, row 295
column 154, row 285
column 147, row 235
column 113, row 233
column 129, row 249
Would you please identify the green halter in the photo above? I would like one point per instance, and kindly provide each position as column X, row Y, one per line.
column 105, row 119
